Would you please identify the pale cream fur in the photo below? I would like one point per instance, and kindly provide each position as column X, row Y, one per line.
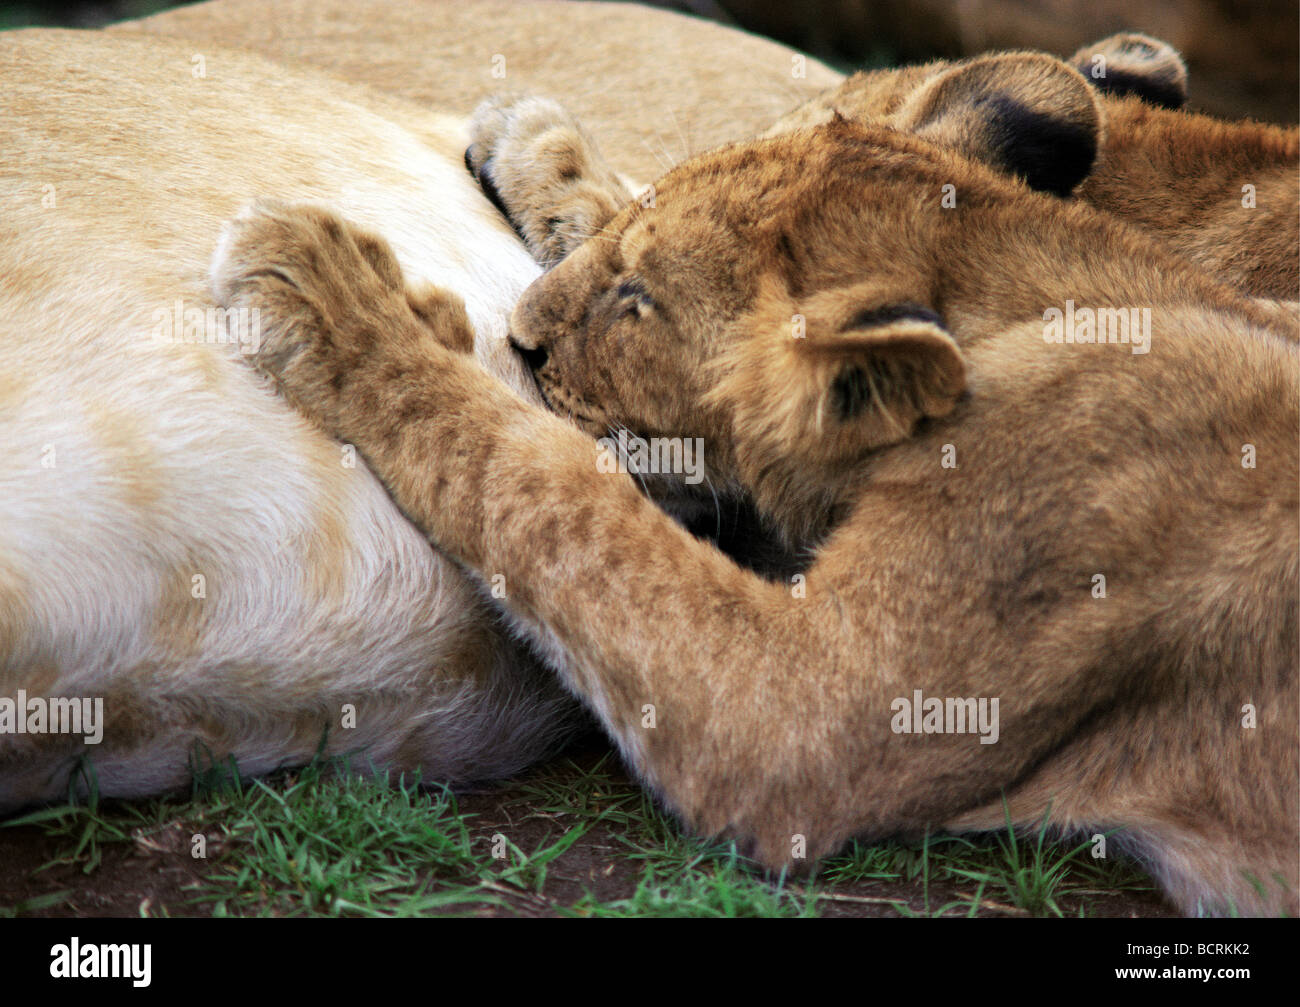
column 655, row 85
column 135, row 465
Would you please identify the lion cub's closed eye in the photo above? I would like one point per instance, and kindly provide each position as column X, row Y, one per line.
column 633, row 294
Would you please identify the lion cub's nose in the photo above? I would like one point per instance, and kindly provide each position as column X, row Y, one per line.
column 534, row 357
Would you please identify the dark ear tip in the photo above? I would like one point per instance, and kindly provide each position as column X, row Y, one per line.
column 1163, row 96
column 1051, row 154
column 1137, row 65
column 887, row 314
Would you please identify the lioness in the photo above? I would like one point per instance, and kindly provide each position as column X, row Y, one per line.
column 1084, row 551
column 187, row 569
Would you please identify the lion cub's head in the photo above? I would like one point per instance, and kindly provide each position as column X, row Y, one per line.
column 737, row 310
column 784, row 299
column 1022, row 112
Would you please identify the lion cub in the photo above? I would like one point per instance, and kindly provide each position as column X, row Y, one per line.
column 1090, row 543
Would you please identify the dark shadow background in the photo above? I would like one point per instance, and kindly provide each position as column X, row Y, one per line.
column 1242, row 54
column 77, row 14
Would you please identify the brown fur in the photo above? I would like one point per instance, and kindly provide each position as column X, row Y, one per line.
column 1180, row 176
column 1177, row 175
column 773, row 707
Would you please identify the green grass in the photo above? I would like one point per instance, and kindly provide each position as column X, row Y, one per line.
column 325, row 841
column 1017, row 874
column 703, row 888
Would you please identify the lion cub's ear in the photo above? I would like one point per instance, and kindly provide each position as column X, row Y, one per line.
column 837, row 377
column 1021, row 112
column 897, row 360
column 1129, row 63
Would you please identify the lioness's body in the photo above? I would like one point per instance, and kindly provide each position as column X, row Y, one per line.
column 657, row 86
column 173, row 538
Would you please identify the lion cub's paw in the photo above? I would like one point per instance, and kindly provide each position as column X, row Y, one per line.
column 304, row 246
column 544, row 172
column 318, row 293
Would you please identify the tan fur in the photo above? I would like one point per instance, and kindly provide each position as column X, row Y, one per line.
column 1177, row 175
column 774, row 707
column 655, row 85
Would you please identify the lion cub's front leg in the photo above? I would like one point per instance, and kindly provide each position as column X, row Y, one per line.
column 593, row 570
column 544, row 172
